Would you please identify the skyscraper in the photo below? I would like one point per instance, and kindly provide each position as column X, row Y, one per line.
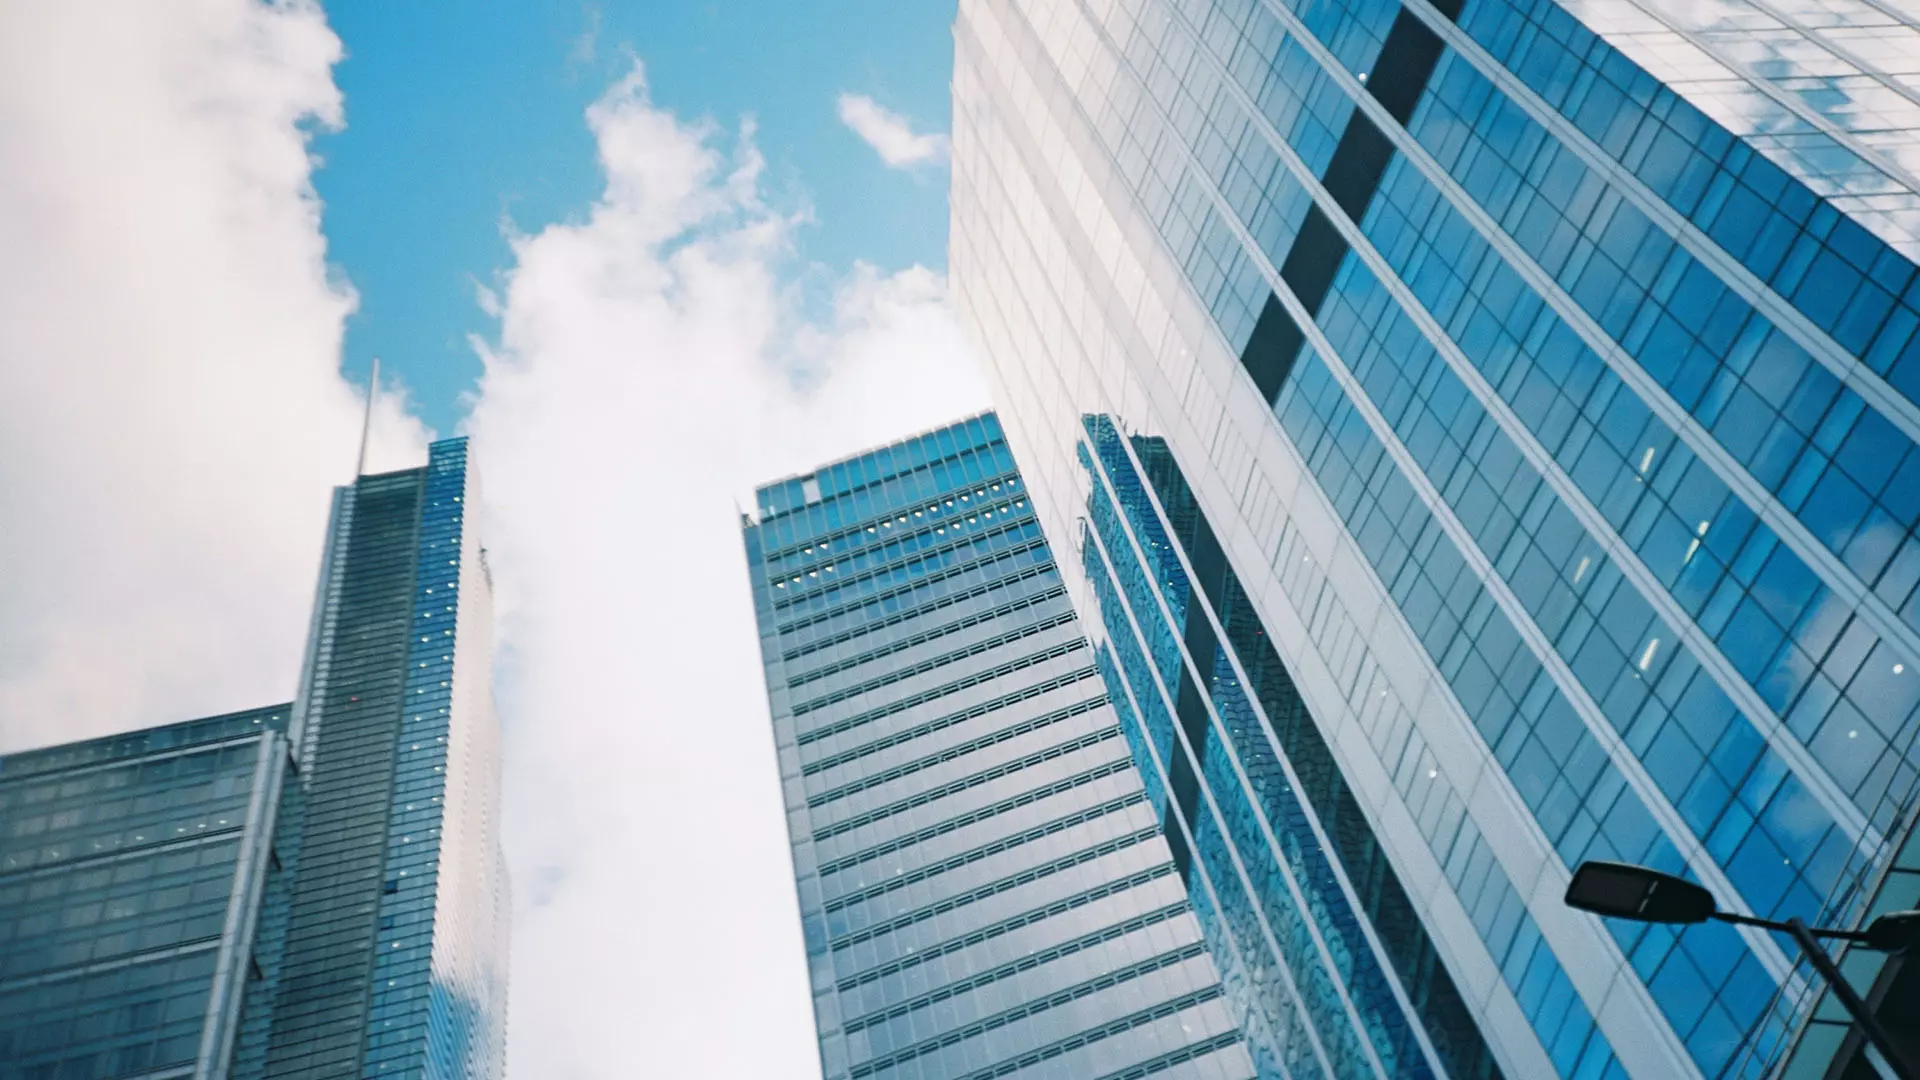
column 1484, row 431
column 385, row 951
column 983, row 887
column 311, row 890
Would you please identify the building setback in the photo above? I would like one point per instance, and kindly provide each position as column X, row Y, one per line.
column 1483, row 431
column 313, row 890
column 983, row 885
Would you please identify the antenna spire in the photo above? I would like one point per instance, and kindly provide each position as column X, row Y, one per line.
column 366, row 425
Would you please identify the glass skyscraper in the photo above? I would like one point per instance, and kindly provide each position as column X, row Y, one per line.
column 1484, row 434
column 310, row 891
column 983, row 885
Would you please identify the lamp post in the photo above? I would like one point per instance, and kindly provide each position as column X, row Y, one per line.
column 1624, row 891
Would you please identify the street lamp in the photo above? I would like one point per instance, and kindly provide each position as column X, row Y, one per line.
column 1624, row 891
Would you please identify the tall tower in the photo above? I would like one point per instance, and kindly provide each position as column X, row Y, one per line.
column 383, row 946
column 1484, row 433
column 983, row 886
column 312, row 890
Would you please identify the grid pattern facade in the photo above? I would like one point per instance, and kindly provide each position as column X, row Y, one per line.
column 1829, row 1044
column 383, row 952
column 1481, row 456
column 984, row 887
column 1828, row 90
column 130, row 871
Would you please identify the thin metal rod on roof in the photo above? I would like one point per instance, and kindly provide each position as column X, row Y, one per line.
column 366, row 424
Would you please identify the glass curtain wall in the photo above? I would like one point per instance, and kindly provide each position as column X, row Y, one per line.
column 1547, row 438
column 983, row 884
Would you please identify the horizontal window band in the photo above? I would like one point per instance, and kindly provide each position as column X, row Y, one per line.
column 979, row 450
column 985, row 561
column 905, row 560
column 995, row 888
column 894, row 708
column 940, row 723
column 1067, row 996
column 939, row 632
column 957, row 786
column 1004, row 506
column 800, row 546
column 934, row 663
column 909, row 768
column 897, row 618
column 1086, row 1038
column 893, row 678
column 1015, row 967
column 171, row 951
column 1009, row 925
column 1173, row 1058
column 985, row 851
column 1025, row 798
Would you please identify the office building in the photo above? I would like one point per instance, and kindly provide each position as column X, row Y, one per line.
column 387, row 953
column 1479, row 438
column 983, row 886
column 131, row 873
column 309, row 891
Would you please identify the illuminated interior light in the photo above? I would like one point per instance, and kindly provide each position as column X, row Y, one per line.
column 1646, row 658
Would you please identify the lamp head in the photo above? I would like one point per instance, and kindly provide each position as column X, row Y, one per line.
column 1624, row 891
column 1896, row 931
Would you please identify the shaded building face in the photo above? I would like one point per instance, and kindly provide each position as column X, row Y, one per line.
column 1485, row 430
column 983, row 885
column 131, row 873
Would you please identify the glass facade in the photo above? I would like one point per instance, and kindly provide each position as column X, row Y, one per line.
column 1829, row 1046
column 1481, row 454
column 131, row 872
column 310, row 891
column 384, row 953
column 984, row 887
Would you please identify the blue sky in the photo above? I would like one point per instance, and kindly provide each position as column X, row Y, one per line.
column 461, row 118
column 674, row 315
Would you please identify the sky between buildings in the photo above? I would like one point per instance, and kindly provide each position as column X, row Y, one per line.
column 647, row 254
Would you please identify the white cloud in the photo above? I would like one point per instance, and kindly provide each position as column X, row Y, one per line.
column 173, row 412
column 173, row 415
column 651, row 366
column 889, row 133
column 586, row 46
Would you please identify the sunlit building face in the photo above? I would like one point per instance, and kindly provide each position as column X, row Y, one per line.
column 1478, row 437
column 983, row 884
